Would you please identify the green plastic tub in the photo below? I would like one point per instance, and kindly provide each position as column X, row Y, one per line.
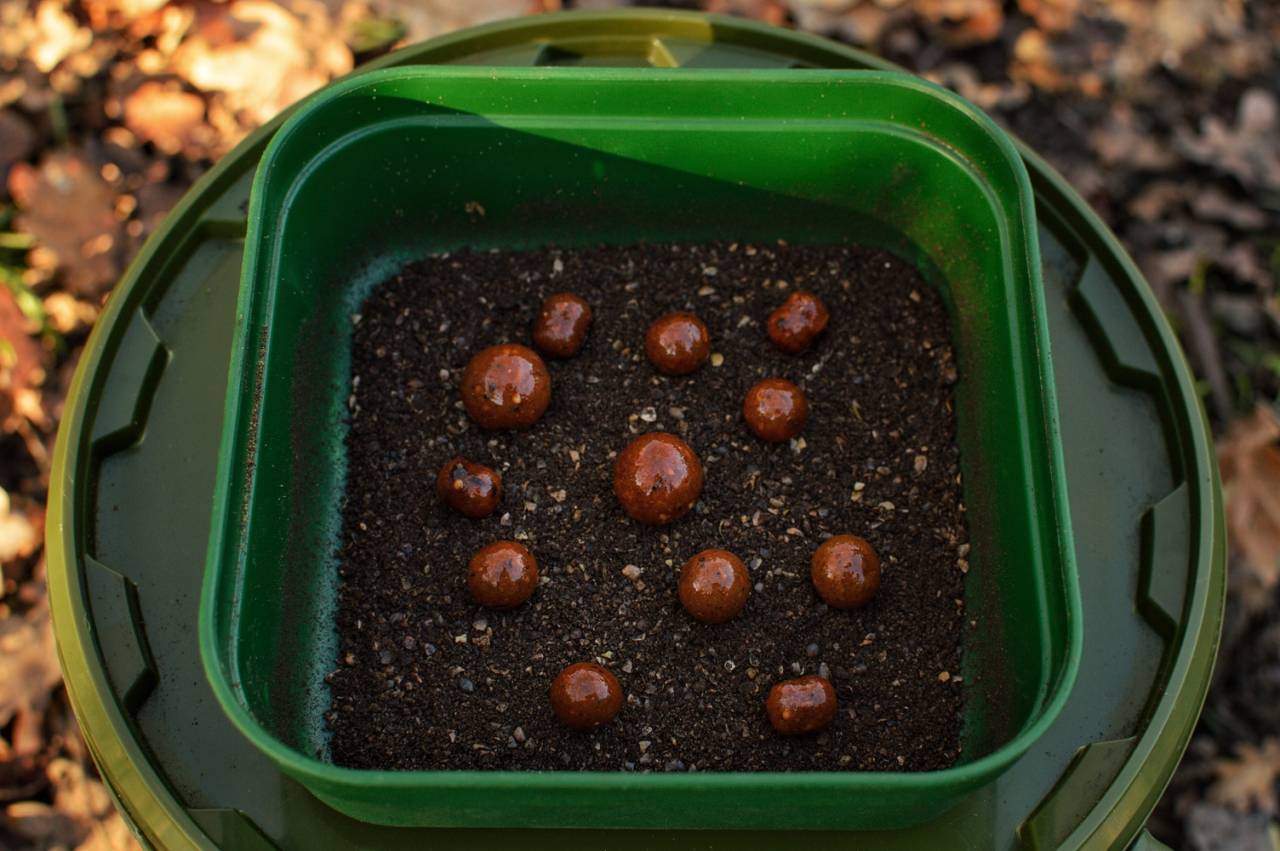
column 392, row 165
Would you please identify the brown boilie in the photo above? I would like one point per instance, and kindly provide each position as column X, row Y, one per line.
column 469, row 488
column 506, row 386
column 795, row 324
column 561, row 326
column 846, row 572
column 677, row 343
column 775, row 410
column 502, row 575
column 714, row 586
column 657, row 478
column 585, row 695
column 801, row 705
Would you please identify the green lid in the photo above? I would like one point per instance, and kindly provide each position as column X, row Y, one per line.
column 134, row 474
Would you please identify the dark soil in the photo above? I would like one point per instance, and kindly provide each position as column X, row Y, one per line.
column 426, row 679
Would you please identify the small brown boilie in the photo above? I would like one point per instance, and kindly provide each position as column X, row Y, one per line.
column 469, row 488
column 657, row 478
column 775, row 410
column 502, row 575
column 585, row 695
column 845, row 572
column 795, row 324
column 677, row 343
column 506, row 386
column 802, row 705
column 561, row 326
column 714, row 586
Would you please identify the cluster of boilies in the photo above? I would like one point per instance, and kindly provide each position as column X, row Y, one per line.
column 657, row 479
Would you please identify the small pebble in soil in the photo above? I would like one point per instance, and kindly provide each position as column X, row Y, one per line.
column 502, row 575
column 845, row 572
column 657, row 478
column 562, row 324
column 801, row 705
column 506, row 386
column 775, row 410
column 794, row 326
column 585, row 695
column 469, row 488
column 677, row 343
column 714, row 586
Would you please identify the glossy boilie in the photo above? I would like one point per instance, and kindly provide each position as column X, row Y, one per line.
column 802, row 705
column 469, row 488
column 502, row 575
column 677, row 343
column 562, row 324
column 797, row 322
column 657, row 478
column 506, row 386
column 845, row 572
column 775, row 410
column 714, row 586
column 585, row 695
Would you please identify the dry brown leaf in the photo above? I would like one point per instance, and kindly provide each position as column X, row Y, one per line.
column 68, row 314
column 1156, row 199
column 22, row 366
column 424, row 19
column 1212, row 203
column 1163, row 33
column 962, row 23
column 1249, row 458
column 1034, row 63
column 57, row 36
column 1250, row 150
column 28, row 662
column 20, row 529
column 857, row 21
column 105, row 14
column 16, row 139
column 70, row 210
column 1248, row 782
column 260, row 55
column 42, row 825
column 1127, row 140
column 168, row 117
column 85, row 800
column 1051, row 15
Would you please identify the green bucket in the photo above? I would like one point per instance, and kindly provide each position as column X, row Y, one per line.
column 578, row 156
column 136, row 465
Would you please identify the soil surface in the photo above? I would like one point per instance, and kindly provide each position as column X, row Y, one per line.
column 427, row 679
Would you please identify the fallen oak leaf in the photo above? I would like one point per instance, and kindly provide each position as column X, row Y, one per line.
column 1249, row 150
column 169, row 118
column 262, row 56
column 41, row 825
column 28, row 662
column 856, row 21
column 1249, row 458
column 1247, row 782
column 16, row 139
column 1051, row 15
column 70, row 210
column 19, row 530
column 1211, row 202
column 85, row 800
column 57, row 36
